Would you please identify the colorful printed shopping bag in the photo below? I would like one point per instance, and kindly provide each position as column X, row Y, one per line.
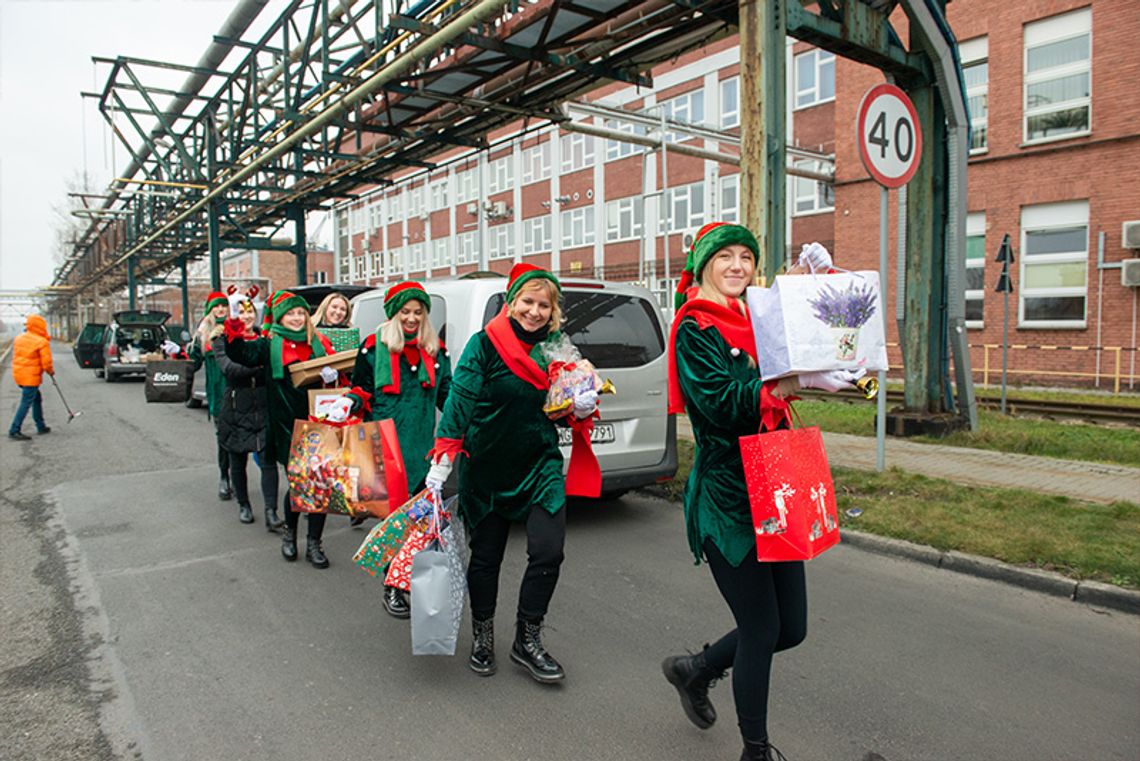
column 400, row 569
column 791, row 494
column 350, row 470
column 387, row 537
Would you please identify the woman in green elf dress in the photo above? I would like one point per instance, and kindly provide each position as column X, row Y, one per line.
column 406, row 372
column 713, row 377
column 514, row 469
column 291, row 338
column 217, row 309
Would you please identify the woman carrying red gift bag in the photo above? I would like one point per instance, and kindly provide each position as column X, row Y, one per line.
column 713, row 377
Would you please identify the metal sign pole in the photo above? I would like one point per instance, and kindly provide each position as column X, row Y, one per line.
column 881, row 401
column 1004, row 347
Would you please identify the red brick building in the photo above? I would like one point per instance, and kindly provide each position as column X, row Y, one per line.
column 1052, row 165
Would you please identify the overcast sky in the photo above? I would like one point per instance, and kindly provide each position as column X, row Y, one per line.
column 45, row 61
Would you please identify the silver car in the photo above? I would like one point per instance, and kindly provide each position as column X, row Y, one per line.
column 615, row 326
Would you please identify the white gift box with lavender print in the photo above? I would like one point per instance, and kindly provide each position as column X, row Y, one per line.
column 806, row 323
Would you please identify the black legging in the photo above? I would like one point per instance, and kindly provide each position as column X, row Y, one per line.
column 240, row 480
column 545, row 537
column 316, row 521
column 769, row 603
column 223, row 459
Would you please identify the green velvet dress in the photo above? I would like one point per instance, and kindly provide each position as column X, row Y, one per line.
column 514, row 461
column 412, row 410
column 722, row 394
column 215, row 381
column 286, row 402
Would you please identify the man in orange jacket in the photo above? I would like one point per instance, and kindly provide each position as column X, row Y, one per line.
column 31, row 358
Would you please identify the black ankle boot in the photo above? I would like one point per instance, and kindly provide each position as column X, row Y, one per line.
column 245, row 512
column 396, row 602
column 692, row 677
column 314, row 554
column 289, row 545
column 225, row 493
column 528, row 652
column 272, row 522
column 760, row 751
column 482, row 659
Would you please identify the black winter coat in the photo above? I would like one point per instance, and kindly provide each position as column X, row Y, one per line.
column 243, row 414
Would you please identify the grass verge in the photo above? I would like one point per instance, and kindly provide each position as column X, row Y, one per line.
column 997, row 432
column 1078, row 539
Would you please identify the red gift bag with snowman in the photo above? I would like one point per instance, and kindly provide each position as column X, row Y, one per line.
column 791, row 494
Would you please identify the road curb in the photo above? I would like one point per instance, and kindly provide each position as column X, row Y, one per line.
column 1087, row 592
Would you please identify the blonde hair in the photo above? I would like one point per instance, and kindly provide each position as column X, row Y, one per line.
column 319, row 314
column 706, row 291
column 552, row 293
column 393, row 335
column 208, row 330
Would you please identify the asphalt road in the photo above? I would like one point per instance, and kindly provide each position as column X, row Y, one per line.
column 140, row 619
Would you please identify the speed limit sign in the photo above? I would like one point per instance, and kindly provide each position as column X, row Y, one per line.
column 890, row 141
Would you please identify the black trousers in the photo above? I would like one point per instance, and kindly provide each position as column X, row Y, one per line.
column 240, row 480
column 315, row 521
column 769, row 603
column 545, row 537
column 223, row 457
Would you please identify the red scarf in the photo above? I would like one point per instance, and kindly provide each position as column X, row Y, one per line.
column 735, row 327
column 422, row 363
column 584, row 475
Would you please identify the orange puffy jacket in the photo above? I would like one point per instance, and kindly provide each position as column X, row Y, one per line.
column 31, row 353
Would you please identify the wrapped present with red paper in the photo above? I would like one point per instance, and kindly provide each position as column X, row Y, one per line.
column 791, row 494
column 354, row 470
column 570, row 376
column 386, row 538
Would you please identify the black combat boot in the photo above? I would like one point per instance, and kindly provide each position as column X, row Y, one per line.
column 225, row 492
column 692, row 677
column 528, row 652
column 314, row 554
column 760, row 750
column 272, row 522
column 245, row 512
column 396, row 602
column 289, row 544
column 482, row 659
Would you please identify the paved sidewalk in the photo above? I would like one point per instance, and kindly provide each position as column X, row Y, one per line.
column 1090, row 481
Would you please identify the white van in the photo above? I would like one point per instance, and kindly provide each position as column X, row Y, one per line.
column 616, row 326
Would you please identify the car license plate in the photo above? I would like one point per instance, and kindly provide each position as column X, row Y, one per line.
column 603, row 434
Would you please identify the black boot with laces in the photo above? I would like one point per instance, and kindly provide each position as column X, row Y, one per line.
column 761, row 750
column 482, row 659
column 315, row 554
column 693, row 678
column 528, row 652
column 396, row 602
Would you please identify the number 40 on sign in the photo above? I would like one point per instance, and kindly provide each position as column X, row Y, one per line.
column 888, row 135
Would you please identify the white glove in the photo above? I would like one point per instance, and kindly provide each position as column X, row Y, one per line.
column 831, row 380
column 438, row 473
column 815, row 257
column 329, row 375
column 170, row 348
column 585, row 403
column 338, row 411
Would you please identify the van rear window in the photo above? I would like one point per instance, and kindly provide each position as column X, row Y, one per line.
column 611, row 330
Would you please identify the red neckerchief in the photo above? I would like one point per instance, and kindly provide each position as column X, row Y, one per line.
column 583, row 475
column 735, row 327
column 299, row 351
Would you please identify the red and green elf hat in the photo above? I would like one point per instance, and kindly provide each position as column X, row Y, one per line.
column 522, row 273
column 402, row 293
column 217, row 298
column 711, row 238
column 281, row 302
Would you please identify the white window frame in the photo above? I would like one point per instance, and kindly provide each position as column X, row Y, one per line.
column 822, row 61
column 440, row 253
column 577, row 151
column 467, row 185
column 1066, row 26
column 727, row 212
column 620, row 149
column 536, row 162
column 501, row 241
column 376, row 213
column 377, row 264
column 625, row 219
column 359, row 267
column 976, row 53
column 813, row 193
column 500, row 174
column 537, row 235
column 690, row 196
column 437, row 195
column 687, row 107
column 395, row 261
column 467, row 247
column 976, row 228
column 417, row 257
column 582, row 218
column 729, row 102
column 395, row 206
column 417, row 203
column 1044, row 217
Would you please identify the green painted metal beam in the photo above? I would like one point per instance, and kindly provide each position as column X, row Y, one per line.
column 864, row 35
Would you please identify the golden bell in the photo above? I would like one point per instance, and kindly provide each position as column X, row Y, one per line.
column 869, row 385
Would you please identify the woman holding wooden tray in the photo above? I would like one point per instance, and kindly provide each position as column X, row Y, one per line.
column 407, row 371
column 290, row 338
